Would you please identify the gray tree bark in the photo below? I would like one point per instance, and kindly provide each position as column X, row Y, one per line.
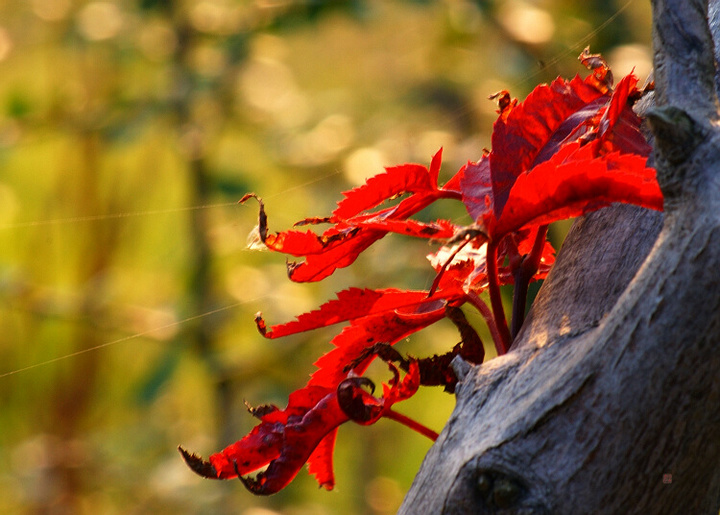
column 609, row 401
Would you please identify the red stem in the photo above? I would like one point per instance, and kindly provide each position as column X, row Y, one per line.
column 523, row 275
column 487, row 314
column 412, row 424
column 532, row 261
column 496, row 299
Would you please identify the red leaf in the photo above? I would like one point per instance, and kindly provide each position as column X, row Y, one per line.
column 303, row 243
column 284, row 441
column 619, row 128
column 268, row 440
column 340, row 254
column 544, row 117
column 552, row 116
column 618, row 103
column 362, row 333
column 320, row 462
column 290, row 445
column 303, row 432
column 354, row 230
column 440, row 229
column 477, row 188
column 350, row 304
column 407, row 178
column 559, row 189
column 339, row 246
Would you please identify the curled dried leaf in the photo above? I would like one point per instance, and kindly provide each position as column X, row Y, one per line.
column 602, row 74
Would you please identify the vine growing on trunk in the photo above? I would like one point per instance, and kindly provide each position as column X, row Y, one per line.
column 571, row 147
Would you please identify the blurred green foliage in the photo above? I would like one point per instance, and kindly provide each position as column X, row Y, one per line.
column 128, row 130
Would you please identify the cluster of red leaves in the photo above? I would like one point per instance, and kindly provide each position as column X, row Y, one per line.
column 571, row 147
column 304, row 431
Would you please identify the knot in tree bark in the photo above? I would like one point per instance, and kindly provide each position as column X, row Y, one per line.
column 677, row 137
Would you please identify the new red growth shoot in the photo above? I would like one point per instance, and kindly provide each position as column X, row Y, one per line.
column 571, row 147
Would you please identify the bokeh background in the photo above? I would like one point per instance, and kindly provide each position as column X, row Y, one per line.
column 128, row 131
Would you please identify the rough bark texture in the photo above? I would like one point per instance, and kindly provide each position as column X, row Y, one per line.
column 613, row 383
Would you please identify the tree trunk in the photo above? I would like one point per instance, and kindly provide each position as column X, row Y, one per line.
column 608, row 401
